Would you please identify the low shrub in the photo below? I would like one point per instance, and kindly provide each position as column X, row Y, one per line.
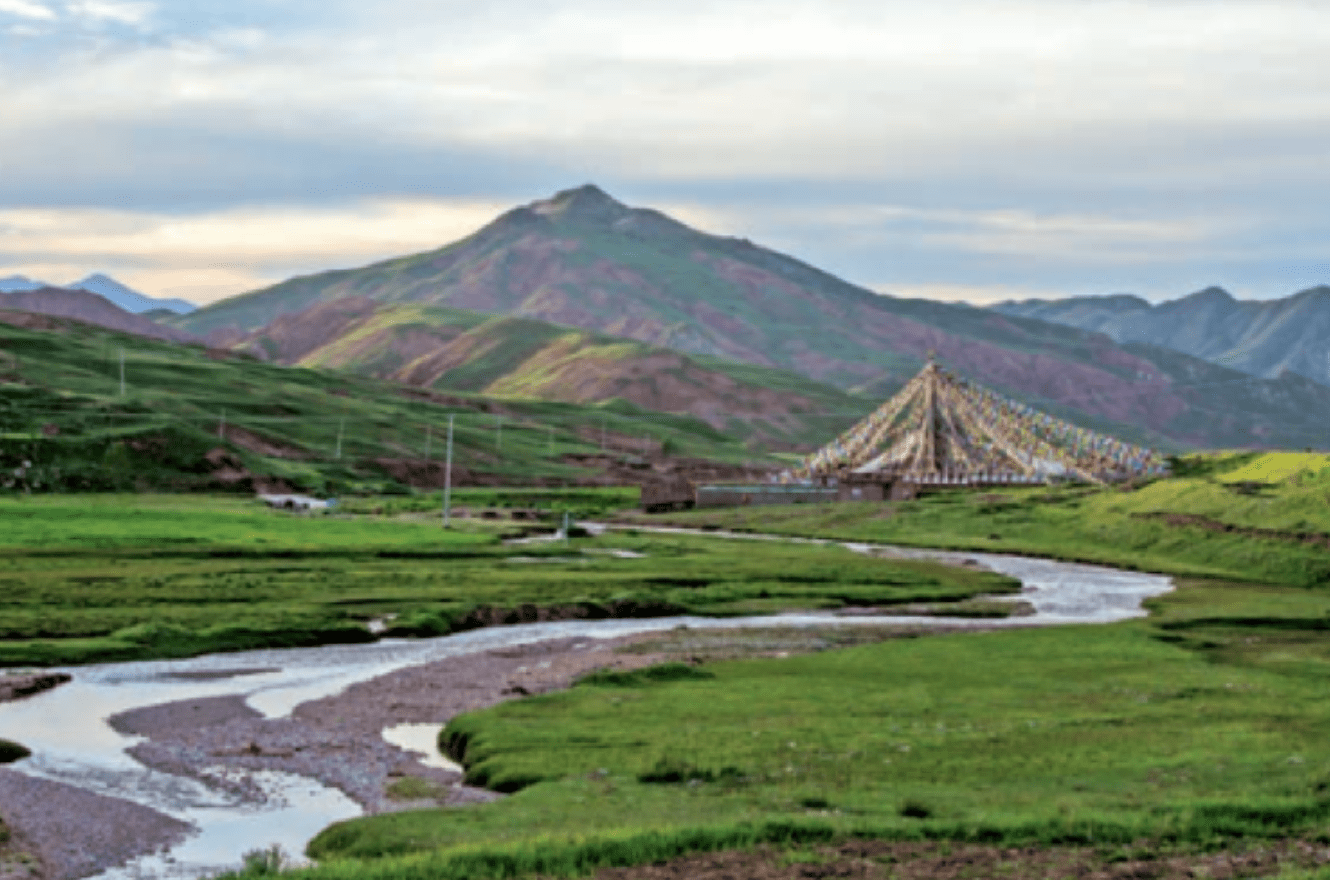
column 12, row 751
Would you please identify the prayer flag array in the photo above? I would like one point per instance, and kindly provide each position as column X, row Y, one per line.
column 942, row 425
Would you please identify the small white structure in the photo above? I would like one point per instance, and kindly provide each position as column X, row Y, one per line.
column 297, row 502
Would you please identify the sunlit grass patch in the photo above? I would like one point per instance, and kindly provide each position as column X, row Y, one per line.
column 1080, row 734
column 129, row 577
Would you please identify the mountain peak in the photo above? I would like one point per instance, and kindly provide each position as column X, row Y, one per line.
column 15, row 283
column 586, row 202
column 1211, row 294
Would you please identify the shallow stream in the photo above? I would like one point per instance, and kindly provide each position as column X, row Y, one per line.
column 72, row 743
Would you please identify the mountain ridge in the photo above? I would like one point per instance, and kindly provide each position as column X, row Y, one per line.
column 90, row 308
column 1259, row 337
column 582, row 259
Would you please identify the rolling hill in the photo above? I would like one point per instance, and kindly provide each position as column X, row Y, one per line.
column 194, row 418
column 90, row 308
column 583, row 259
column 526, row 359
column 1262, row 338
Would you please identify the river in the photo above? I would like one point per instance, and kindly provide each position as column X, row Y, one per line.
column 72, row 743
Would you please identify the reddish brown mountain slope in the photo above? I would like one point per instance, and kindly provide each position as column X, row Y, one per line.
column 461, row 350
column 80, row 305
column 583, row 259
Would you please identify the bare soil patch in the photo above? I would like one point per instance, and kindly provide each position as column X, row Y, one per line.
column 14, row 687
column 943, row 861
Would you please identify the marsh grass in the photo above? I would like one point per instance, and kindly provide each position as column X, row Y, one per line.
column 415, row 788
column 100, row 578
column 1100, row 736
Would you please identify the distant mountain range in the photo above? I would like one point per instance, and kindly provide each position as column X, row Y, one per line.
column 582, row 259
column 90, row 308
column 106, row 287
column 1263, row 338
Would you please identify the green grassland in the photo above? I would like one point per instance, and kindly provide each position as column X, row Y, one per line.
column 1085, row 735
column 1199, row 727
column 61, row 410
column 131, row 577
column 1242, row 516
column 580, row 502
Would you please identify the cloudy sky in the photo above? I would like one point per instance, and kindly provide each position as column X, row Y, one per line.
column 960, row 149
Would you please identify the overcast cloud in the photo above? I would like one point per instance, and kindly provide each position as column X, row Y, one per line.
column 958, row 149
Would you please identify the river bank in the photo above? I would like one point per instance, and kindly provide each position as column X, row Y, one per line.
column 244, row 728
column 224, row 743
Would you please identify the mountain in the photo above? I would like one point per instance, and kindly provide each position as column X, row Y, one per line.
column 131, row 300
column 583, row 259
column 521, row 358
column 90, row 308
column 93, row 409
column 17, row 283
column 1263, row 338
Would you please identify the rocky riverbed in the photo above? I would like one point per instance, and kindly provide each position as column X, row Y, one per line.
column 54, row 831
column 338, row 739
column 62, row 832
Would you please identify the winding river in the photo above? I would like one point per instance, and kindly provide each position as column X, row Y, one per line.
column 72, row 743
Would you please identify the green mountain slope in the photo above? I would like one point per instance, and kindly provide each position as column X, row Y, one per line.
column 197, row 418
column 583, row 259
column 522, row 358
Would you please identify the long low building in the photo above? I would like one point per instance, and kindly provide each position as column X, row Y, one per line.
column 738, row 495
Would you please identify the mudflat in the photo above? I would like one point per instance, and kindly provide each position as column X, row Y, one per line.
column 72, row 833
column 338, row 739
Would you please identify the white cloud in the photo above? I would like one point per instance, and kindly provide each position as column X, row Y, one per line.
column 206, row 257
column 119, row 11
column 1104, row 133
column 975, row 294
column 27, row 9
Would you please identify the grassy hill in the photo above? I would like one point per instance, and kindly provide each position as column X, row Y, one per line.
column 193, row 418
column 522, row 358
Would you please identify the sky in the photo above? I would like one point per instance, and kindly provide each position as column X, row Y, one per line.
column 959, row 149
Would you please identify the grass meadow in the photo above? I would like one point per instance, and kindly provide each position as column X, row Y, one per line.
column 1204, row 726
column 118, row 577
column 1261, row 517
column 1107, row 736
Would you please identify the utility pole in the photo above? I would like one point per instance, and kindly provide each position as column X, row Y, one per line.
column 341, row 428
column 448, row 478
column 122, row 371
column 498, row 433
